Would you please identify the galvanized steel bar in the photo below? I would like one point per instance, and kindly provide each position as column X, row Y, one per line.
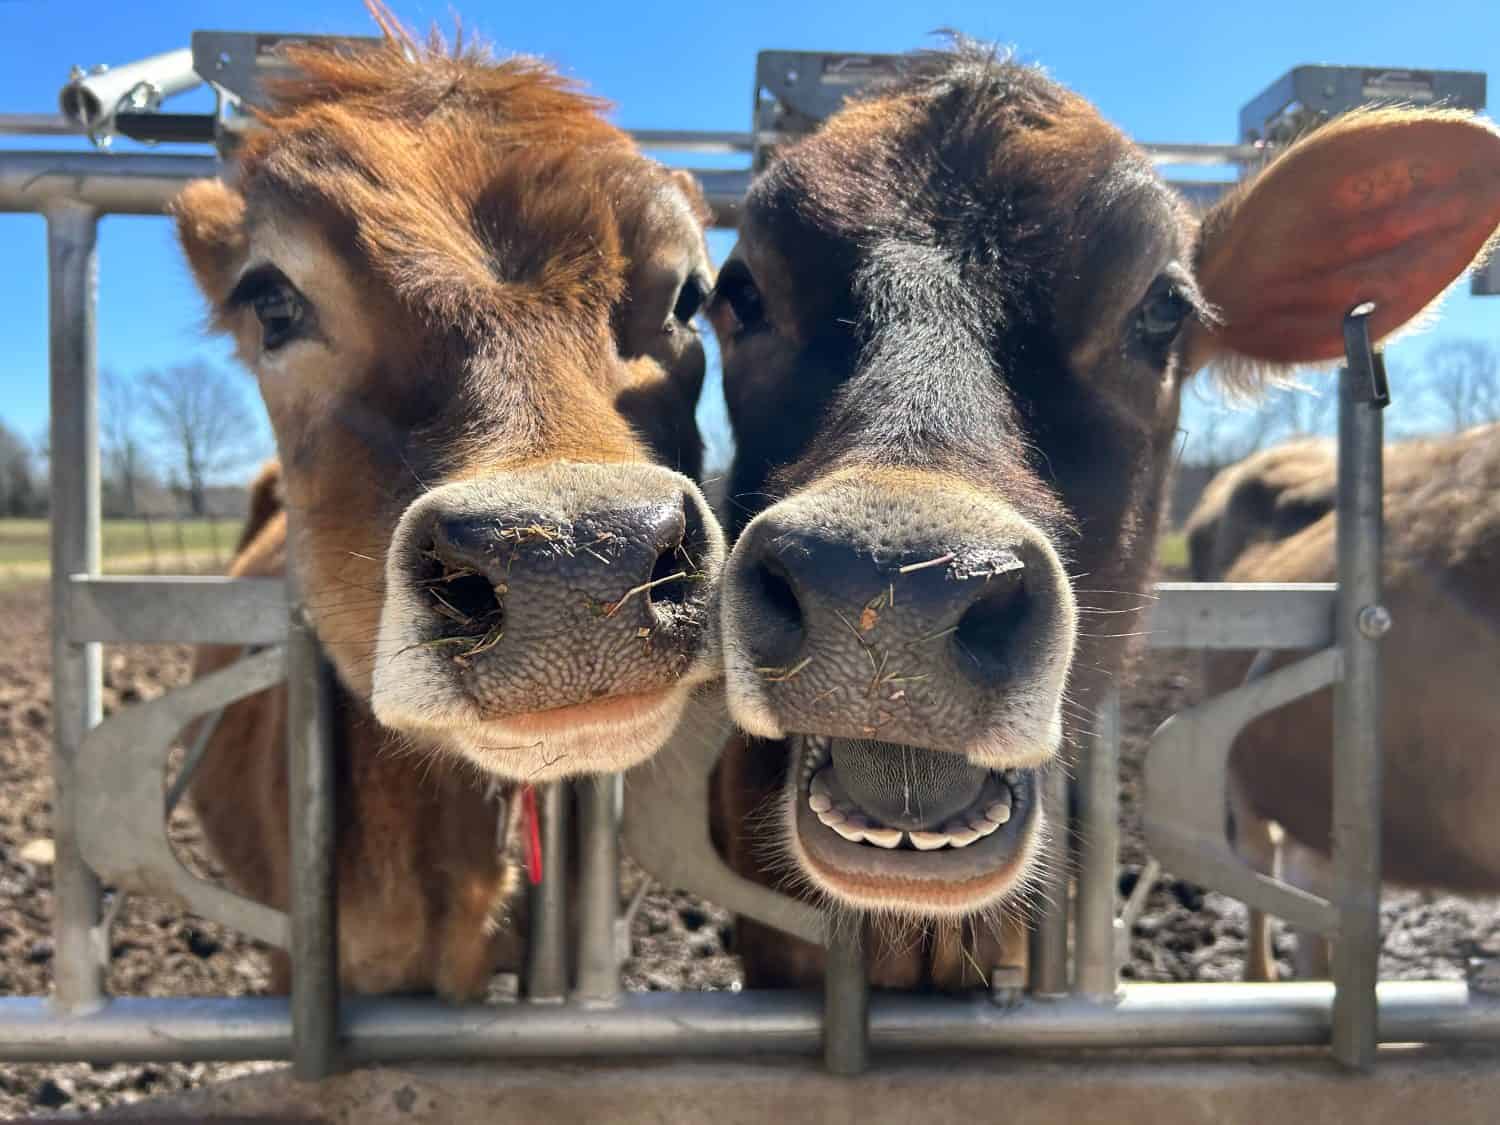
column 1243, row 615
column 123, row 184
column 188, row 610
column 598, row 889
column 1098, row 856
column 1049, row 938
column 73, row 283
column 396, row 1029
column 315, row 969
column 547, row 950
column 38, row 125
column 846, row 1002
column 1357, row 702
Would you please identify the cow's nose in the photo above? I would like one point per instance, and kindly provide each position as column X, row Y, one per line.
column 918, row 618
column 806, row 590
column 635, row 563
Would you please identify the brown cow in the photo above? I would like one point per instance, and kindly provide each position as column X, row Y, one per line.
column 955, row 332
column 1441, row 713
column 469, row 304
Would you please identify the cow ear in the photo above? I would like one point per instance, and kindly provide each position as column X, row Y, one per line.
column 210, row 219
column 1388, row 205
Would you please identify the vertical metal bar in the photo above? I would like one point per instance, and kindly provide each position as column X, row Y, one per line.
column 547, row 957
column 598, row 890
column 846, row 1002
column 1049, row 940
column 1098, row 856
column 73, row 285
column 310, row 794
column 1356, row 755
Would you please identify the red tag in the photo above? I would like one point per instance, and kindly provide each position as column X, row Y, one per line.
column 533, row 828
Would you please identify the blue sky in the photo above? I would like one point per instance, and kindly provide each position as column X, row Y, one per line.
column 1162, row 71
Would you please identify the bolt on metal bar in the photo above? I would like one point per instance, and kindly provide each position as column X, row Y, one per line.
column 1098, row 856
column 73, row 283
column 598, row 890
column 1049, row 938
column 846, row 1002
column 1357, row 699
column 311, row 781
column 547, row 955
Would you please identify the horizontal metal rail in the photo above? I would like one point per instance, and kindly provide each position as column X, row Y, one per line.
column 188, row 610
column 213, row 610
column 738, row 1023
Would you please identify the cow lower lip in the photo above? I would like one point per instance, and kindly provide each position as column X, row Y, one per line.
column 960, row 854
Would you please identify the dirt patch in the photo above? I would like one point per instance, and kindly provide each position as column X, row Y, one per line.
column 678, row 941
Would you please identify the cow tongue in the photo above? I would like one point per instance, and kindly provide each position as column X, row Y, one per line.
column 905, row 786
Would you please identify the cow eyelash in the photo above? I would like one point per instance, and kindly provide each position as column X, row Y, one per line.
column 280, row 308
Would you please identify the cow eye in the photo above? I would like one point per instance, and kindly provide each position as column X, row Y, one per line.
column 689, row 300
column 737, row 289
column 281, row 310
column 1162, row 315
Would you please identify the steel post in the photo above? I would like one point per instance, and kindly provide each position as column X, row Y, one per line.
column 314, row 912
column 598, row 890
column 1098, row 856
column 73, row 284
column 846, row 1002
column 1356, row 700
column 547, row 952
column 1049, row 939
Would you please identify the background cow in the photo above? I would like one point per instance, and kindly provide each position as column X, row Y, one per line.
column 955, row 333
column 1271, row 519
column 468, row 302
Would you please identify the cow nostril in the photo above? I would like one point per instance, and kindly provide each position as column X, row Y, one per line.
column 671, row 578
column 989, row 632
column 779, row 600
column 466, row 600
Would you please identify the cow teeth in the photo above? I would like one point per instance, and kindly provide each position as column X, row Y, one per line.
column 856, row 821
column 960, row 835
column 819, row 802
column 927, row 841
column 983, row 825
column 883, row 837
column 849, row 832
column 999, row 811
column 830, row 817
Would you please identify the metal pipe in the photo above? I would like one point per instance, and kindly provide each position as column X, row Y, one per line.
column 1095, row 934
column 91, row 97
column 123, row 184
column 77, row 681
column 598, row 890
column 310, row 795
column 394, row 1029
column 547, row 952
column 1049, row 938
column 846, row 1002
column 38, row 125
column 1361, row 621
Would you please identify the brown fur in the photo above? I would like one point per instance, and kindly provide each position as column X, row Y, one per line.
column 479, row 243
column 950, row 280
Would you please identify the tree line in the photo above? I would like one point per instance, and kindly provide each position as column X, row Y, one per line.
column 170, row 439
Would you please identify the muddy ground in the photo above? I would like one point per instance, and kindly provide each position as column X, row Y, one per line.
column 678, row 942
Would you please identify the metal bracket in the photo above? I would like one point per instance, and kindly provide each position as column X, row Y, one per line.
column 1308, row 95
column 666, row 825
column 122, row 831
column 1365, row 361
column 796, row 91
column 1186, row 780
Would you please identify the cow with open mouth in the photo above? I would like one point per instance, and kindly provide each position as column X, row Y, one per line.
column 956, row 330
column 469, row 303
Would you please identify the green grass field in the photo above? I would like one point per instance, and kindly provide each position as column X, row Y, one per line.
column 161, row 546
column 1171, row 551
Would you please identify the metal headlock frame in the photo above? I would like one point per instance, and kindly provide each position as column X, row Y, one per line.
column 108, row 803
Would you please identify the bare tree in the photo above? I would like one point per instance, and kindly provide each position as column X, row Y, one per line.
column 200, row 414
column 126, row 470
column 1463, row 383
column 21, row 493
